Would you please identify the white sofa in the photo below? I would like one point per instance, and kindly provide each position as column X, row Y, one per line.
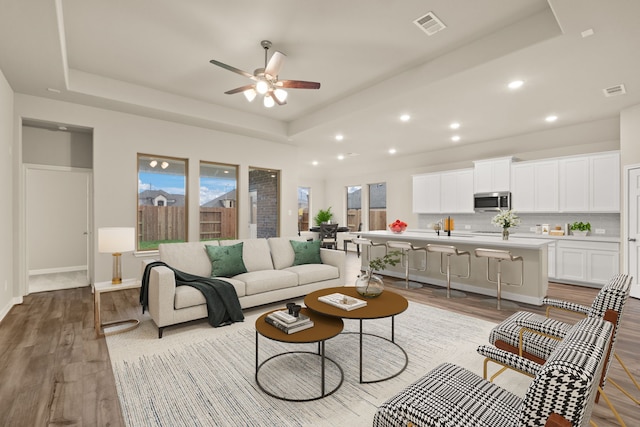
column 270, row 277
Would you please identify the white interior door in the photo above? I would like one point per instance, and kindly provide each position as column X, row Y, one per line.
column 633, row 228
column 57, row 220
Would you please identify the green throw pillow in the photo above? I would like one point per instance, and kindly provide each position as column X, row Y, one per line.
column 226, row 261
column 306, row 252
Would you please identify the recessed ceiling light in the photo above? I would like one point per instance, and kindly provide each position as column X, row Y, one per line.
column 454, row 125
column 515, row 84
column 339, row 137
column 405, row 117
column 392, row 151
column 314, row 163
column 340, row 157
column 587, row 33
column 551, row 118
column 455, row 138
column 50, row 89
column 62, row 128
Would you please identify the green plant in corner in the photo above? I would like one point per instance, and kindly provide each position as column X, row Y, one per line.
column 323, row 215
column 581, row 226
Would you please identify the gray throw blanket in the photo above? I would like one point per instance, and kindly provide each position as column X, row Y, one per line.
column 223, row 306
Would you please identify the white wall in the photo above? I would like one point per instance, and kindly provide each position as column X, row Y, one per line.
column 7, row 288
column 118, row 137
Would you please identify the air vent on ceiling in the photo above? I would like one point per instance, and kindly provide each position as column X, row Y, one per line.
column 614, row 90
column 430, row 23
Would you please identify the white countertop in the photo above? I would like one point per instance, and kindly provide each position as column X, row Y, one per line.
column 470, row 239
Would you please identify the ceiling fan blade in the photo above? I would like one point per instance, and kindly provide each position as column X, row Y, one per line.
column 275, row 63
column 230, row 68
column 239, row 89
column 298, row 84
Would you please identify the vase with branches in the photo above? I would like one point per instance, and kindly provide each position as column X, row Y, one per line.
column 368, row 284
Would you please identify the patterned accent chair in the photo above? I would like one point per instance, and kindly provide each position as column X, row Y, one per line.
column 534, row 336
column 562, row 392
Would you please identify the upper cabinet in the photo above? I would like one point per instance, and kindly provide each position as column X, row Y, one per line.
column 590, row 183
column 426, row 193
column 534, row 186
column 492, row 175
column 456, row 191
column 443, row 192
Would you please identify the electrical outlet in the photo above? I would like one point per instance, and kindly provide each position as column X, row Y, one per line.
column 600, row 230
column 467, row 227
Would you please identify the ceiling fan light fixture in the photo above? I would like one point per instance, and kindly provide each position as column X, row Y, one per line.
column 268, row 101
column 281, row 94
column 262, row 87
column 250, row 94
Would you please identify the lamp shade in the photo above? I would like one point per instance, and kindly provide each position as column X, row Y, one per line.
column 116, row 239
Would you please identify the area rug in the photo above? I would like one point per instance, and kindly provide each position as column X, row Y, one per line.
column 202, row 376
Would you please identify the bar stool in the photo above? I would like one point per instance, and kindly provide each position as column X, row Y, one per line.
column 498, row 256
column 448, row 251
column 406, row 249
column 367, row 247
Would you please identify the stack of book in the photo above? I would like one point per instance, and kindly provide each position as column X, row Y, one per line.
column 342, row 301
column 287, row 323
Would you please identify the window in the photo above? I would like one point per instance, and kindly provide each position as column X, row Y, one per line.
column 264, row 202
column 354, row 207
column 162, row 201
column 304, row 194
column 218, row 201
column 378, row 206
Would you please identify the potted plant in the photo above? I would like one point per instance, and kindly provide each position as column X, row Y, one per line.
column 323, row 216
column 369, row 285
column 580, row 228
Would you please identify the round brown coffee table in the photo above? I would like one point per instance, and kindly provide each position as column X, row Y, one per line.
column 388, row 304
column 323, row 329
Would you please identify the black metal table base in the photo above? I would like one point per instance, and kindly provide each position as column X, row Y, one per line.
column 323, row 358
column 392, row 341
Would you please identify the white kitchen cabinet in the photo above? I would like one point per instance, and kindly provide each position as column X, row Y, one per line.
column 534, row 186
column 604, row 176
column 492, row 175
column 456, row 191
column 551, row 250
column 426, row 193
column 590, row 183
column 586, row 262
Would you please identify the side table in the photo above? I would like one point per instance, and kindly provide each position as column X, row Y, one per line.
column 324, row 328
column 125, row 324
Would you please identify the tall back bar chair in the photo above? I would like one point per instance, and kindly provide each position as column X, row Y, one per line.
column 448, row 251
column 406, row 249
column 498, row 256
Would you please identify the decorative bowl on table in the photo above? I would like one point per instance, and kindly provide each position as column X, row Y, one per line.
column 398, row 226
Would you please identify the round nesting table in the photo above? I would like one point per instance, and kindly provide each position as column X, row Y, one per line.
column 388, row 304
column 323, row 329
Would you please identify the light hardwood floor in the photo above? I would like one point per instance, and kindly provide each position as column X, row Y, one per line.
column 54, row 371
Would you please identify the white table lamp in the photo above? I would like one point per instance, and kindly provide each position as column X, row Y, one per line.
column 116, row 240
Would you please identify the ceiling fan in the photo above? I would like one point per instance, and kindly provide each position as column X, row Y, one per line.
column 266, row 79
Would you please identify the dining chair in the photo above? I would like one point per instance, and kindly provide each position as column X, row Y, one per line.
column 329, row 236
column 351, row 240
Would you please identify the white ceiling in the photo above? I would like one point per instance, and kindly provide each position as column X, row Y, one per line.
column 152, row 57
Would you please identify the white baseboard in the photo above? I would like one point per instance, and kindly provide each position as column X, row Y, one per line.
column 5, row 310
column 57, row 270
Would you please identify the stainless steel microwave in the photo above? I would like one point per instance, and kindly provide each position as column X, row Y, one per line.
column 492, row 202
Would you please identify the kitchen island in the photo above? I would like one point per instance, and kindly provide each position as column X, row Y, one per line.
column 533, row 252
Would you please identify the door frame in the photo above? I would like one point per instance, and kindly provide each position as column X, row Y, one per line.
column 24, row 264
column 624, row 243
